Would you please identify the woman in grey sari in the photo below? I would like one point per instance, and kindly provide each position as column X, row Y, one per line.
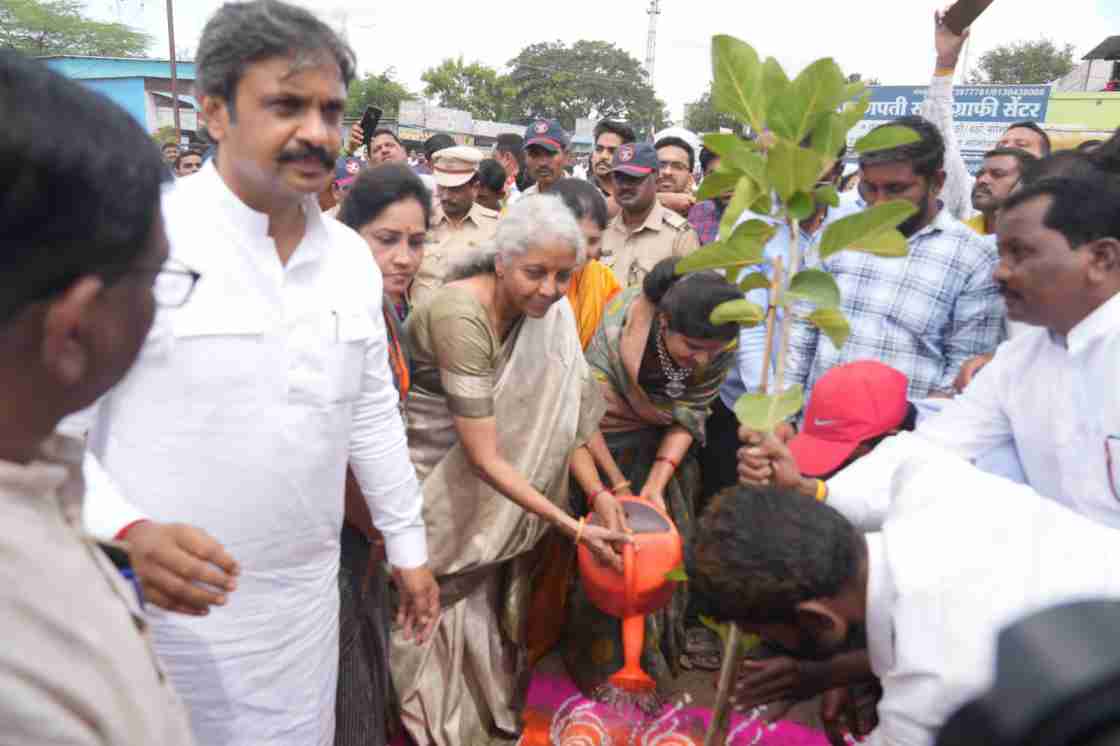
column 502, row 402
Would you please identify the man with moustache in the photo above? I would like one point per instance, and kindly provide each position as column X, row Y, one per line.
column 459, row 225
column 644, row 232
column 1050, row 391
column 546, row 154
column 938, row 108
column 609, row 137
column 246, row 405
column 997, row 178
column 926, row 314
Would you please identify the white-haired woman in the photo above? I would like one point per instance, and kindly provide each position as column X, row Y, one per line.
column 501, row 404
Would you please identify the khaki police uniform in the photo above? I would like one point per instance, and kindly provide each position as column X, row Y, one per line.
column 631, row 255
column 447, row 245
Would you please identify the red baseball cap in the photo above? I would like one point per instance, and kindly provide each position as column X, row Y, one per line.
column 848, row 405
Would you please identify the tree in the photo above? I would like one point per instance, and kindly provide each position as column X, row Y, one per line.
column 1024, row 62
column 589, row 79
column 476, row 88
column 49, row 27
column 702, row 116
column 377, row 90
column 778, row 176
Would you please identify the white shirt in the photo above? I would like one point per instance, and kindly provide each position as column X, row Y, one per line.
column 962, row 555
column 1057, row 400
column 239, row 417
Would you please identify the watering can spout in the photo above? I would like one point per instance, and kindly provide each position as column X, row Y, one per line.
column 642, row 588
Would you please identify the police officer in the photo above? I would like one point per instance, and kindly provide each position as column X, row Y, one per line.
column 546, row 154
column 644, row 232
column 459, row 225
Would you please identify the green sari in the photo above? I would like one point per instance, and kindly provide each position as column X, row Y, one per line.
column 637, row 418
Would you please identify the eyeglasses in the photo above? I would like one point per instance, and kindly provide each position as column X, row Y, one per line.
column 675, row 166
column 174, row 282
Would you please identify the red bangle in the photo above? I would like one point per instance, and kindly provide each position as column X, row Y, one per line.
column 123, row 533
column 591, row 502
column 667, row 460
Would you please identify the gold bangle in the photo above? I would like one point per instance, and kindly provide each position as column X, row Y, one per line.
column 822, row 491
column 616, row 487
column 579, row 531
column 944, row 72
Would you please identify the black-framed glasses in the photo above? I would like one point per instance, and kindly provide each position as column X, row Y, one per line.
column 174, row 282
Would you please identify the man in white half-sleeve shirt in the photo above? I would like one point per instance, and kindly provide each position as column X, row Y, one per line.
column 928, row 595
column 1051, row 392
column 246, row 405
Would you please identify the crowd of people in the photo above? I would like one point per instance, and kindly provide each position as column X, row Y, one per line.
column 300, row 434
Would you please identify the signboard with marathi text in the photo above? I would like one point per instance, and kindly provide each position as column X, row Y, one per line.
column 981, row 113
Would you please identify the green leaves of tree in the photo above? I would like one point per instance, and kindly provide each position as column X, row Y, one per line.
column 832, row 322
column 743, row 249
column 885, row 138
column 818, row 90
column 872, row 231
column 813, row 286
column 763, row 412
column 737, row 81
column 792, row 169
column 741, row 312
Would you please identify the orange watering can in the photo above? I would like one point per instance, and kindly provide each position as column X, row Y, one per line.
column 640, row 589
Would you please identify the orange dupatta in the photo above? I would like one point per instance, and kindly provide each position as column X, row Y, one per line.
column 592, row 288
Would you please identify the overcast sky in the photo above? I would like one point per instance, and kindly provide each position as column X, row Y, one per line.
column 886, row 39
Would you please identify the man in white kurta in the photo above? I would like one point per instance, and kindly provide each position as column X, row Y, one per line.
column 1051, row 392
column 941, row 589
column 239, row 417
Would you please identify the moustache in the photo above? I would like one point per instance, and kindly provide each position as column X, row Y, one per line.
column 315, row 152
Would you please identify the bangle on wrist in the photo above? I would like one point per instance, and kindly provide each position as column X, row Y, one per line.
column 579, row 531
column 667, row 460
column 621, row 485
column 944, row 71
column 122, row 535
column 594, row 497
column 822, row 491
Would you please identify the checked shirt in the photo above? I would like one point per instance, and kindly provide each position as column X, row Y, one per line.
column 924, row 314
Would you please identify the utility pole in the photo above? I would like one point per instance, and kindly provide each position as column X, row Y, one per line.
column 651, row 40
column 174, row 72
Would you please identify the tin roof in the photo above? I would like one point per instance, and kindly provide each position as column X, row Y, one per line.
column 1109, row 49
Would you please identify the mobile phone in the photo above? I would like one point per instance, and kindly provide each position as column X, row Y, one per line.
column 963, row 13
column 369, row 123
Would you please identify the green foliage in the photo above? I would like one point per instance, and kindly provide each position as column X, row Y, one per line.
column 742, row 249
column 381, row 90
column 754, row 281
column 58, row 27
column 806, row 122
column 677, row 574
column 701, row 116
column 764, row 412
column 165, row 135
column 885, row 138
column 588, row 79
column 833, row 323
column 473, row 87
column 1024, row 62
column 872, row 230
column 747, row 643
column 813, row 286
column 738, row 312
